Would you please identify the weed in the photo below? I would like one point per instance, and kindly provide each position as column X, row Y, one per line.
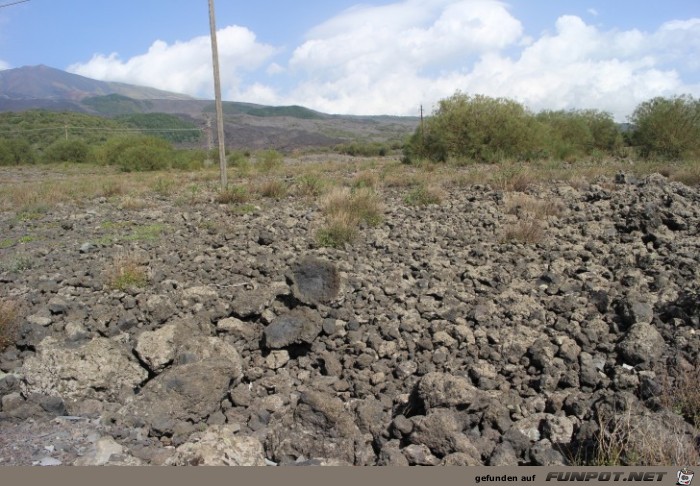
column 523, row 204
column 126, row 272
column 358, row 205
column 17, row 264
column 133, row 204
column 366, row 179
column 9, row 323
column 7, row 243
column 424, row 196
column 513, row 179
column 340, row 228
column 233, row 195
column 310, row 185
column 164, row 187
column 273, row 189
column 147, row 233
column 32, row 213
column 244, row 209
column 529, row 232
column 268, row 160
column 112, row 188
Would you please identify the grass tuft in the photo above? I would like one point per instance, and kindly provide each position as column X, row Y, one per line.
column 9, row 323
column 126, row 272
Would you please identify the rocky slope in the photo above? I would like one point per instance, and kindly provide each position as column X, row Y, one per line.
column 436, row 338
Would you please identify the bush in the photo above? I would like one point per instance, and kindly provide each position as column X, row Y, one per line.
column 9, row 325
column 668, row 128
column 62, row 151
column 575, row 133
column 268, row 160
column 137, row 153
column 16, row 152
column 478, row 128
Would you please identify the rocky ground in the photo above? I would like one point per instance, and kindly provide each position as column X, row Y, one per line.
column 442, row 336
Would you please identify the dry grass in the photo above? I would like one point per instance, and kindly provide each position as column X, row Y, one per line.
column 529, row 232
column 366, row 179
column 126, row 272
column 641, row 440
column 425, row 196
column 345, row 210
column 9, row 323
column 233, row 195
column 682, row 396
column 525, row 205
column 515, row 179
column 273, row 189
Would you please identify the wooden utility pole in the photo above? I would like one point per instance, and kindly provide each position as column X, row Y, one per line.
column 217, row 94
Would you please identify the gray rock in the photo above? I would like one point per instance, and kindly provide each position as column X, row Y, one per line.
column 160, row 308
column 186, row 393
column 315, row 281
column 219, row 446
column 300, row 326
column 643, row 344
column 318, row 427
column 444, row 390
column 251, row 303
column 101, row 369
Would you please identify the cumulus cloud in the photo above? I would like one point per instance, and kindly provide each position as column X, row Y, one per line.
column 184, row 67
column 391, row 58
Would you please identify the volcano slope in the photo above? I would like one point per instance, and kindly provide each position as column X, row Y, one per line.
column 556, row 325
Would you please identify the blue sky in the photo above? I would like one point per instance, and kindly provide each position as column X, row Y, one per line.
column 374, row 57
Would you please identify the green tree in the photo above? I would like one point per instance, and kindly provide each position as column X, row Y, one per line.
column 478, row 128
column 16, row 152
column 667, row 128
column 137, row 153
column 67, row 151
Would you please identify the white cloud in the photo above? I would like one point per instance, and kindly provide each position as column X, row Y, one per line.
column 593, row 12
column 4, row 65
column 184, row 67
column 392, row 58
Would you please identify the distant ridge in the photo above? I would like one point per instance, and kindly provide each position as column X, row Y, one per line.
column 247, row 125
column 47, row 83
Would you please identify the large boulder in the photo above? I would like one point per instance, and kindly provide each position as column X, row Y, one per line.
column 442, row 390
column 186, row 393
column 315, row 281
column 318, row 428
column 179, row 343
column 100, row 369
column 300, row 326
column 219, row 446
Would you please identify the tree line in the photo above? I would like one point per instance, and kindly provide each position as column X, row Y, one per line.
column 483, row 129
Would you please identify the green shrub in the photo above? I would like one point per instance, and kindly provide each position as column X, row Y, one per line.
column 478, row 128
column 9, row 324
column 233, row 195
column 137, row 153
column 62, row 151
column 667, row 128
column 16, row 152
column 268, row 160
column 189, row 159
column 424, row 196
column 239, row 159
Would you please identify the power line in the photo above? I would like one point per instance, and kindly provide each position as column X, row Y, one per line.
column 13, row 3
column 48, row 129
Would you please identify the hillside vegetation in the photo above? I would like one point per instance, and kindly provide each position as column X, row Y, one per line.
column 478, row 128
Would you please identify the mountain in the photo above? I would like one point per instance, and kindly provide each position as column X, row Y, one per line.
column 247, row 125
column 46, row 83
